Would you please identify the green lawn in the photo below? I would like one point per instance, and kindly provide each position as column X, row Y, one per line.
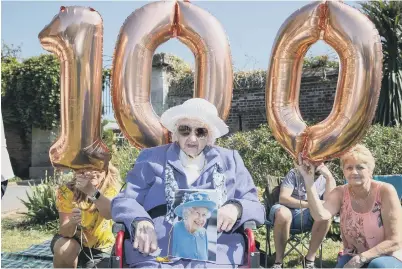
column 330, row 252
column 17, row 235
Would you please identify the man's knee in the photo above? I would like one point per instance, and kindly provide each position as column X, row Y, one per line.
column 283, row 215
column 322, row 223
column 66, row 249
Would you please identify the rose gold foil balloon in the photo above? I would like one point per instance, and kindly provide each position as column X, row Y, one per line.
column 142, row 32
column 75, row 35
column 355, row 38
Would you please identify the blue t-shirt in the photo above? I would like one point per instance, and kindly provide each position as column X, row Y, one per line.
column 295, row 181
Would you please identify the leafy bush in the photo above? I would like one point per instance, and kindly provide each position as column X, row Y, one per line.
column 385, row 144
column 124, row 158
column 263, row 155
column 108, row 135
column 41, row 204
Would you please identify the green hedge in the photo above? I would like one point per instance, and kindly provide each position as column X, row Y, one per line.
column 263, row 155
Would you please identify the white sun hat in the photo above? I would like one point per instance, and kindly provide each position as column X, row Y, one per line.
column 198, row 109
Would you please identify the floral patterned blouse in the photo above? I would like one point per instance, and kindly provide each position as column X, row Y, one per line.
column 362, row 231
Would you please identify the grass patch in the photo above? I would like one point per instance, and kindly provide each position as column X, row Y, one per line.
column 15, row 179
column 18, row 234
column 330, row 251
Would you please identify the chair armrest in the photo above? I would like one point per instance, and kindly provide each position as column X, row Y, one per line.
column 117, row 256
column 251, row 224
column 117, row 227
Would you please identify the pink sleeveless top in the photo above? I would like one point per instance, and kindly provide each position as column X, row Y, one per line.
column 362, row 231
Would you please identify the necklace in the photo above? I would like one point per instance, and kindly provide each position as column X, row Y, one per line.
column 195, row 167
column 198, row 163
column 356, row 200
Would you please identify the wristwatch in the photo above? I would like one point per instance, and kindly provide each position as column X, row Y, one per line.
column 95, row 196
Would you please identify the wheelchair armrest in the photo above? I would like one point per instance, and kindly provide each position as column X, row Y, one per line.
column 117, row 227
column 117, row 256
column 253, row 257
column 251, row 224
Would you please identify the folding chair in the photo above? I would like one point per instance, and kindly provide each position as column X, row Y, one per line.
column 297, row 236
column 394, row 180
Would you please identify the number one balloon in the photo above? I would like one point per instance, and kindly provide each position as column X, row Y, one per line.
column 75, row 35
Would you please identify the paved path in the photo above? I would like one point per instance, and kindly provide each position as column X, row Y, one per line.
column 10, row 202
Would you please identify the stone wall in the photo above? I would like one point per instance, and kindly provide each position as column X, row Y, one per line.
column 40, row 162
column 19, row 149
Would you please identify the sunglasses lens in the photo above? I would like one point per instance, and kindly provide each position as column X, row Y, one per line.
column 184, row 130
column 201, row 132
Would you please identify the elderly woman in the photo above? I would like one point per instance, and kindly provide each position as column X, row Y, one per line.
column 85, row 235
column 190, row 239
column 371, row 215
column 191, row 162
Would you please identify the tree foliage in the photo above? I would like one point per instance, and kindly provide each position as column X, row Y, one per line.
column 31, row 90
column 387, row 17
column 321, row 61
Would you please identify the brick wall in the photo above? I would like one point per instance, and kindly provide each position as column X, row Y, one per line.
column 317, row 93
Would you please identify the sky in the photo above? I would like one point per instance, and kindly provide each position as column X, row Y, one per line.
column 250, row 26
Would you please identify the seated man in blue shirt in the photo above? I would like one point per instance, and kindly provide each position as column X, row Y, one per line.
column 292, row 212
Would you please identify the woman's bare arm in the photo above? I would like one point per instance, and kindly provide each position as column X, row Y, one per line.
column 391, row 214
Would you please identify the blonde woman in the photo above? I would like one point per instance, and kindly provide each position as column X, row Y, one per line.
column 371, row 215
column 85, row 236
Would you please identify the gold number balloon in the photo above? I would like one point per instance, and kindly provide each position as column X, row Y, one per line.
column 75, row 35
column 355, row 38
column 143, row 31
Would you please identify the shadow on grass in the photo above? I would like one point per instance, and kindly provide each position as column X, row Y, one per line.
column 23, row 223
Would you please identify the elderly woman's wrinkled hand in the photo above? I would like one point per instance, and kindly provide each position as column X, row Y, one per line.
column 145, row 237
column 227, row 217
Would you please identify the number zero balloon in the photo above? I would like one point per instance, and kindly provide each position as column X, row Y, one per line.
column 143, row 31
column 356, row 40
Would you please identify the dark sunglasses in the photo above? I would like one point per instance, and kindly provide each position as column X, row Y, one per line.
column 185, row 130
